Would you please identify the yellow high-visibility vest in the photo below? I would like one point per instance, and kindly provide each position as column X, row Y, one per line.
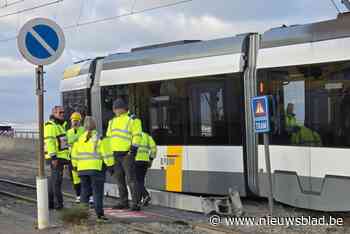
column 290, row 121
column 90, row 154
column 147, row 149
column 307, row 137
column 124, row 131
column 56, row 143
column 73, row 135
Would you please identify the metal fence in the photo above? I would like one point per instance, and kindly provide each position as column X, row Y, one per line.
column 6, row 133
column 25, row 134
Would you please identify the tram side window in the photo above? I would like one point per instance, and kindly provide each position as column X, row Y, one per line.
column 207, row 123
column 166, row 111
column 329, row 106
column 108, row 95
column 76, row 100
column 195, row 111
column 313, row 104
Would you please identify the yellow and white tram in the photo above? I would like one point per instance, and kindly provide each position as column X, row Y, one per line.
column 193, row 97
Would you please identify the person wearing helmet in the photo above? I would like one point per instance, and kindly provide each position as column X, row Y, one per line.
column 73, row 135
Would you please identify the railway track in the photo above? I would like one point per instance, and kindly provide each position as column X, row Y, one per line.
column 21, row 190
column 27, row 192
column 198, row 227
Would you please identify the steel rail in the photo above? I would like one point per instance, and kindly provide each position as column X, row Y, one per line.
column 135, row 226
column 29, row 186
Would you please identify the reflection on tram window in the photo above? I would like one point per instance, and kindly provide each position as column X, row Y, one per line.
column 313, row 104
column 207, row 110
column 294, row 96
column 196, row 111
column 162, row 109
column 75, row 101
column 297, row 132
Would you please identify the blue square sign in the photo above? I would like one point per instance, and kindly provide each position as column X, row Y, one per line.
column 260, row 110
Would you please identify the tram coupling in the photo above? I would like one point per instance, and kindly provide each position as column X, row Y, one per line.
column 230, row 205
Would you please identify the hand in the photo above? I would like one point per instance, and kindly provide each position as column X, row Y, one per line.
column 133, row 151
column 54, row 163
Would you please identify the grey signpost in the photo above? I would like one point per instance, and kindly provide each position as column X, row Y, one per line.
column 41, row 42
column 261, row 123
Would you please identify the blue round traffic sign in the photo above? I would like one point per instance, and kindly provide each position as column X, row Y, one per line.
column 41, row 41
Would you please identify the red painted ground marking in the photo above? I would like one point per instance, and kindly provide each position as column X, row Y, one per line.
column 126, row 213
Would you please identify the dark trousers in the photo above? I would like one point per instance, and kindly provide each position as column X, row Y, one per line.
column 96, row 182
column 141, row 170
column 77, row 189
column 124, row 172
column 55, row 185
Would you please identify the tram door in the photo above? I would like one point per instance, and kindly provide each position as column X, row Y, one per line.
column 292, row 136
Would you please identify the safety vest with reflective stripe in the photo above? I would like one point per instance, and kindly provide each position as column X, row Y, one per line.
column 73, row 135
column 147, row 149
column 56, row 143
column 92, row 153
column 124, row 131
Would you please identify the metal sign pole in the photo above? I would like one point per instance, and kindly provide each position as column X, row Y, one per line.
column 40, row 95
column 261, row 119
column 41, row 181
column 268, row 169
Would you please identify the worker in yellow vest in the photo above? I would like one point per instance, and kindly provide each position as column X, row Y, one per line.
column 290, row 119
column 56, row 154
column 146, row 153
column 73, row 135
column 306, row 137
column 124, row 131
column 91, row 156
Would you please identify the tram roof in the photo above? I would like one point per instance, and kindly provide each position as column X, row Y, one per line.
column 313, row 32
column 275, row 37
column 170, row 52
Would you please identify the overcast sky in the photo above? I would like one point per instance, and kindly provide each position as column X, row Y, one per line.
column 198, row 19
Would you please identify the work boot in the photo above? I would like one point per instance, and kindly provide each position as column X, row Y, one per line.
column 51, row 206
column 135, row 208
column 102, row 219
column 91, row 200
column 146, row 200
column 121, row 206
column 59, row 207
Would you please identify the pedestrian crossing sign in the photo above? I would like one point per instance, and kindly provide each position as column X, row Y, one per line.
column 260, row 110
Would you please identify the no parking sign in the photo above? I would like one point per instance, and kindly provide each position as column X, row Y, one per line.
column 41, row 41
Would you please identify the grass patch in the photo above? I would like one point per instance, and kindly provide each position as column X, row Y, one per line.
column 75, row 215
